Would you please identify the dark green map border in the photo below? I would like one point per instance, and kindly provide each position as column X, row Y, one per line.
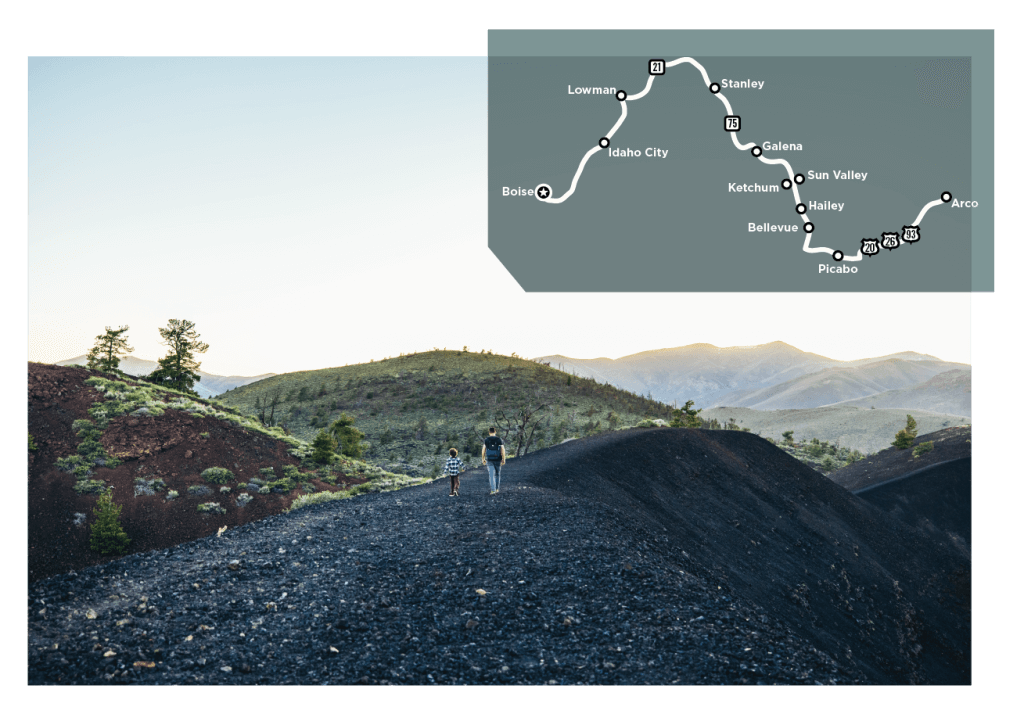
column 979, row 45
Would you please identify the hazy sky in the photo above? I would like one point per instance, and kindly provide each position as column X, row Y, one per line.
column 312, row 212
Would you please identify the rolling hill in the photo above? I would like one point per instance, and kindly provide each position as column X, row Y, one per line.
column 947, row 393
column 415, row 407
column 715, row 376
column 843, row 384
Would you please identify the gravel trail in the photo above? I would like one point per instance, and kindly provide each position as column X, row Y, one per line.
column 413, row 587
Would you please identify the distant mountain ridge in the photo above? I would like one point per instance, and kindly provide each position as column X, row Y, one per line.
column 209, row 386
column 771, row 376
column 834, row 385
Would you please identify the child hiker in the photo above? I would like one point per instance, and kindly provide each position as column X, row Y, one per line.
column 452, row 467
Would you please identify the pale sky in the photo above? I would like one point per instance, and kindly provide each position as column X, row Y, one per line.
column 313, row 212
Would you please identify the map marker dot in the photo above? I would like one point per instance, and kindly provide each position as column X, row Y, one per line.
column 801, row 209
column 604, row 143
column 947, row 197
column 621, row 95
column 808, row 228
column 756, row 151
column 542, row 192
column 715, row 87
column 799, row 178
column 787, row 184
column 837, row 255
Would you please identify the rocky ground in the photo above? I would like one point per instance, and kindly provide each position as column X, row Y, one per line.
column 642, row 556
column 528, row 586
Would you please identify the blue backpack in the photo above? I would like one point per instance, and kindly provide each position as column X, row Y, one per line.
column 493, row 450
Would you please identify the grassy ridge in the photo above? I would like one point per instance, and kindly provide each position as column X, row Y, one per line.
column 414, row 407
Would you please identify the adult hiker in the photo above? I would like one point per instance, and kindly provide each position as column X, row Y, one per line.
column 493, row 454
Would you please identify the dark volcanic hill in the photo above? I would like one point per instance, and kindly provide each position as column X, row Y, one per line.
column 936, row 497
column 150, row 446
column 637, row 556
column 786, row 537
column 948, row 445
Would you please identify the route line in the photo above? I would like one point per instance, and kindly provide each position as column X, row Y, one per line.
column 793, row 181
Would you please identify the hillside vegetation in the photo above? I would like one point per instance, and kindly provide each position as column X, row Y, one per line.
column 176, row 466
column 414, row 407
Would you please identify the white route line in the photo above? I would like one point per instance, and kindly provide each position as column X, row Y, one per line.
column 742, row 147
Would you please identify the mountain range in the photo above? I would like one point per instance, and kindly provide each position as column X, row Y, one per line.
column 780, row 376
column 209, row 386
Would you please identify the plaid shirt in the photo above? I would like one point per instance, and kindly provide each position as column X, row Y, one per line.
column 453, row 466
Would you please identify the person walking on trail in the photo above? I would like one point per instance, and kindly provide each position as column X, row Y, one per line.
column 452, row 467
column 493, row 454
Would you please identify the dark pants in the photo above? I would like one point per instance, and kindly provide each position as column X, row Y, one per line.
column 455, row 482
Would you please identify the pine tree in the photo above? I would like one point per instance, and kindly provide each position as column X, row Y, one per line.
column 106, row 353
column 106, row 535
column 903, row 439
column 911, row 426
column 179, row 369
column 348, row 436
column 686, row 417
column 324, row 447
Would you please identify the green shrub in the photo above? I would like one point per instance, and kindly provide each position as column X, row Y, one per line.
column 211, row 507
column 199, row 490
column 242, row 500
column 268, row 471
column 225, row 489
column 67, row 463
column 283, row 485
column 264, row 489
column 218, row 475
column 309, row 488
column 205, row 435
column 32, row 444
column 86, row 486
column 923, row 448
column 171, row 495
column 321, row 497
column 106, row 535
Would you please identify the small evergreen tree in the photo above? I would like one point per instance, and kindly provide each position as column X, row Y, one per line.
column 788, row 436
column 911, row 427
column 348, row 436
column 686, row 417
column 106, row 535
column 179, row 369
column 903, row 440
column 106, row 353
column 324, row 447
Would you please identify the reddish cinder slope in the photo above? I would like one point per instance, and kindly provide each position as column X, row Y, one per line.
column 175, row 446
